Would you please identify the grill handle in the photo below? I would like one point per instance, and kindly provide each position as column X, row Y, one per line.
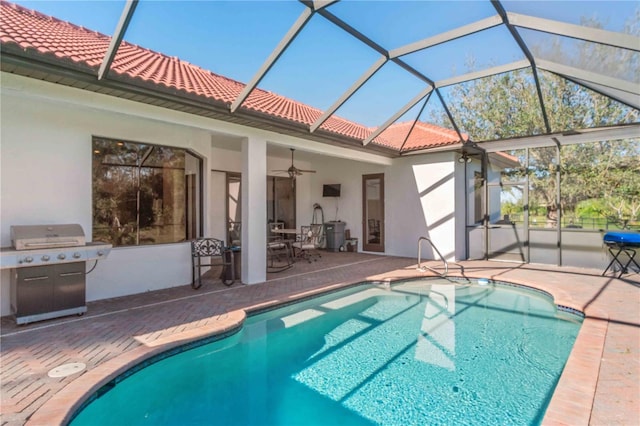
column 70, row 274
column 37, row 278
column 52, row 244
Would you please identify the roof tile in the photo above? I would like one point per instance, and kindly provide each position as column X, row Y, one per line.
column 423, row 135
column 49, row 36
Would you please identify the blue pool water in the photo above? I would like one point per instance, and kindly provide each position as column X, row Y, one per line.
column 418, row 353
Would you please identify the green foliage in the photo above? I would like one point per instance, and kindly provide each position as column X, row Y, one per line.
column 601, row 178
column 591, row 208
column 606, row 174
column 511, row 208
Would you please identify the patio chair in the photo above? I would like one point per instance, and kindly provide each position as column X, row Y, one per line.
column 307, row 242
column 279, row 256
column 218, row 255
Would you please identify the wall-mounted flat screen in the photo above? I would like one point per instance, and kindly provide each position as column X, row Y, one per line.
column 331, row 190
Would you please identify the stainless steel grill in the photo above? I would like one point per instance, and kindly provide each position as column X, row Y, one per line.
column 48, row 264
column 38, row 245
column 46, row 236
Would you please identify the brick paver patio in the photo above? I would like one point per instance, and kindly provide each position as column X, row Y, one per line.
column 599, row 386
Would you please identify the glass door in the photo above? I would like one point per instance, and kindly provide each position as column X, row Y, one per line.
column 281, row 201
column 373, row 212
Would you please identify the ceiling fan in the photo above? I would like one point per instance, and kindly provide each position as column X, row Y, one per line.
column 293, row 171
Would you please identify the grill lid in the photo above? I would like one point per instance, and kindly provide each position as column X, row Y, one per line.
column 30, row 237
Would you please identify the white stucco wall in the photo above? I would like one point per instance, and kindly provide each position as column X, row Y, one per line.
column 45, row 173
column 218, row 206
column 420, row 201
column 348, row 207
column 46, row 178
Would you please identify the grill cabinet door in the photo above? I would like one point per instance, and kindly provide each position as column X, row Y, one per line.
column 33, row 290
column 69, row 289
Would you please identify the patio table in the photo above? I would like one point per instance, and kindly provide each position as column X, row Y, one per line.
column 289, row 231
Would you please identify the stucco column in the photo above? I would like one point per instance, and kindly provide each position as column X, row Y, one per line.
column 254, row 210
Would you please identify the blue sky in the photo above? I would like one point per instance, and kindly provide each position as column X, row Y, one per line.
column 234, row 38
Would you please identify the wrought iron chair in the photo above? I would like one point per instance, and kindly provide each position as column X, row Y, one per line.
column 279, row 257
column 211, row 248
column 307, row 242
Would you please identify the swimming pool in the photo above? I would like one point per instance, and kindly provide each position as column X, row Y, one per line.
column 418, row 352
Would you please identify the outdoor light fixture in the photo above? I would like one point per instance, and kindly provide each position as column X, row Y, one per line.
column 464, row 159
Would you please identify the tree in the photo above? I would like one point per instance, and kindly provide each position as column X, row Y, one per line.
column 507, row 105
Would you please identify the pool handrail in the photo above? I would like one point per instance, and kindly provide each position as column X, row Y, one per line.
column 425, row 267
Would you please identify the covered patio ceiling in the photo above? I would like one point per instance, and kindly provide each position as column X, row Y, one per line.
column 395, row 78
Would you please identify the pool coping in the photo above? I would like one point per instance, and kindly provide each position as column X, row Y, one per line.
column 572, row 395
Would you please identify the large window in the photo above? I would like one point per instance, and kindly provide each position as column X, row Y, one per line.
column 144, row 194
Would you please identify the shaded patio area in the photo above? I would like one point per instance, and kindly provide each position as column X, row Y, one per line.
column 599, row 385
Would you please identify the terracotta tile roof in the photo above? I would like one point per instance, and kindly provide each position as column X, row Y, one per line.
column 64, row 42
column 423, row 135
column 33, row 30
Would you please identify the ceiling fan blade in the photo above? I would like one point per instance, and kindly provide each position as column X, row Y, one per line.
column 306, row 171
